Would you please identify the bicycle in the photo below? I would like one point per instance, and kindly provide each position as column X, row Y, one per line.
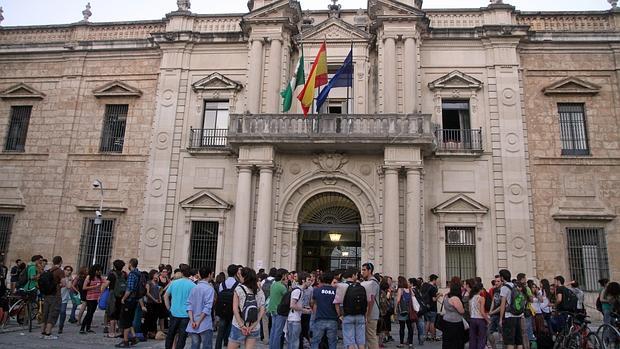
column 576, row 334
column 609, row 335
column 22, row 308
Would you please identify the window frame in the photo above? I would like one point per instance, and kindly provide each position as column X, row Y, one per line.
column 5, row 241
column 469, row 245
column 109, row 133
column 212, row 262
column 217, row 110
column 570, row 127
column 17, row 144
column 574, row 250
column 84, row 258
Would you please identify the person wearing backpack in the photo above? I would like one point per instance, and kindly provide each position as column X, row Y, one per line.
column 296, row 309
column 430, row 293
column 179, row 291
column 248, row 310
column 351, row 305
column 223, row 305
column 511, row 311
column 134, row 291
column 565, row 301
column 403, row 298
column 371, row 284
column 278, row 290
column 117, row 284
column 325, row 316
column 50, row 287
column 266, row 287
column 27, row 279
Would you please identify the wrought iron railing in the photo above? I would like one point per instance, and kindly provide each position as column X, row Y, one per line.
column 459, row 139
column 208, row 138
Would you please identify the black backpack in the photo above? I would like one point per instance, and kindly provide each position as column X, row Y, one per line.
column 284, row 308
column 47, row 285
column 424, row 308
column 355, row 301
column 224, row 303
column 141, row 286
column 267, row 287
column 249, row 310
column 569, row 300
column 22, row 279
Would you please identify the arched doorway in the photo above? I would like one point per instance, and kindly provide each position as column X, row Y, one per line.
column 329, row 233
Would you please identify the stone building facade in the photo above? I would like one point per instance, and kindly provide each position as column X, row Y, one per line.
column 443, row 157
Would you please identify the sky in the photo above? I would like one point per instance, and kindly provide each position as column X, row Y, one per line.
column 37, row 12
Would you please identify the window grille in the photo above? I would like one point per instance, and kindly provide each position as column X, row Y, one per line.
column 203, row 244
column 113, row 135
column 104, row 245
column 573, row 131
column 5, row 236
column 460, row 252
column 587, row 256
column 18, row 128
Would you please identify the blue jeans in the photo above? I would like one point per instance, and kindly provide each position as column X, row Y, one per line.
column 354, row 330
column 277, row 328
column 177, row 327
column 63, row 315
column 223, row 332
column 238, row 337
column 325, row 327
column 202, row 340
column 558, row 322
column 420, row 325
column 529, row 329
column 292, row 335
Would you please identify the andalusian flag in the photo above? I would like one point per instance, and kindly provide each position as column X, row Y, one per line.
column 297, row 80
column 317, row 77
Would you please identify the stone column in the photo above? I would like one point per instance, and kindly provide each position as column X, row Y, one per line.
column 275, row 72
column 255, row 75
column 413, row 245
column 389, row 75
column 410, row 76
column 241, row 233
column 390, row 223
column 262, row 241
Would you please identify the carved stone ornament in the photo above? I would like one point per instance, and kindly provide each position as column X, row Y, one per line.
column 334, row 9
column 496, row 2
column 1, row 16
column 613, row 3
column 330, row 162
column 87, row 13
column 184, row 5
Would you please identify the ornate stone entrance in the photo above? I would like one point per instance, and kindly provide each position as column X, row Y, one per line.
column 329, row 233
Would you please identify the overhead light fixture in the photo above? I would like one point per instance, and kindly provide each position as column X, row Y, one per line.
column 345, row 253
column 335, row 237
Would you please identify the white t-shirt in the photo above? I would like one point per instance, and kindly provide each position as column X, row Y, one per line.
column 260, row 300
column 295, row 315
column 506, row 293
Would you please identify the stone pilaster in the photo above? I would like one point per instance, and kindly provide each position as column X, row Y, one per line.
column 389, row 75
column 410, row 76
column 275, row 72
column 241, row 232
column 413, row 220
column 390, row 222
column 254, row 76
column 262, row 242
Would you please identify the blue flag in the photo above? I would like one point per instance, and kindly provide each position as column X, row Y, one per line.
column 342, row 78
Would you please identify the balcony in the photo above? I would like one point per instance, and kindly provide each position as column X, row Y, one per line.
column 330, row 132
column 208, row 138
column 458, row 141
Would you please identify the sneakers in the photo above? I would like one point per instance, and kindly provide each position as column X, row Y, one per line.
column 51, row 336
column 123, row 344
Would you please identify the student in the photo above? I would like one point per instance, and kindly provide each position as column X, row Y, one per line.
column 351, row 305
column 179, row 291
column 325, row 316
column 510, row 324
column 248, row 309
column 277, row 291
column 478, row 319
column 454, row 330
column 92, row 287
column 199, row 306
column 50, row 287
column 371, row 284
column 129, row 303
column 65, row 295
column 404, row 296
column 225, row 291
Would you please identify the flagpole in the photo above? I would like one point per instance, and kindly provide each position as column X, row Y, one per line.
column 350, row 83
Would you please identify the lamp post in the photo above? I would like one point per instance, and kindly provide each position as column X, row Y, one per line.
column 98, row 217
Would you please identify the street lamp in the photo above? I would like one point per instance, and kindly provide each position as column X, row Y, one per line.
column 98, row 217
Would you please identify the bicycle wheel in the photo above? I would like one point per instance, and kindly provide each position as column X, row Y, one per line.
column 573, row 341
column 609, row 336
column 19, row 311
column 592, row 342
column 559, row 341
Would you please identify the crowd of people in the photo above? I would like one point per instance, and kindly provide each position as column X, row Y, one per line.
column 300, row 309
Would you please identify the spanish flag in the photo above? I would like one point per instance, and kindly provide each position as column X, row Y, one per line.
column 317, row 77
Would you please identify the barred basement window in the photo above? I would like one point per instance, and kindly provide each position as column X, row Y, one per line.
column 18, row 128
column 113, row 134
column 203, row 244
column 104, row 244
column 587, row 256
column 460, row 252
column 5, row 236
column 573, row 131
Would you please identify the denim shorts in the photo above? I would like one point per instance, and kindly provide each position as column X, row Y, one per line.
column 354, row 330
column 430, row 316
column 237, row 336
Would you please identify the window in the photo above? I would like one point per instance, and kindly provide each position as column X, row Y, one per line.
column 203, row 244
column 340, row 96
column 214, row 124
column 573, row 131
column 113, row 135
column 104, row 243
column 455, row 120
column 460, row 252
column 5, row 236
column 587, row 256
column 18, row 128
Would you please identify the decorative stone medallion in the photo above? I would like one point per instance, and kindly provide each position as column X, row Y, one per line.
column 332, row 162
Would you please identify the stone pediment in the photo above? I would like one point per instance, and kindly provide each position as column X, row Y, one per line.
column 456, row 80
column 116, row 89
column 216, row 81
column 334, row 29
column 391, row 8
column 205, row 200
column 572, row 85
column 278, row 9
column 21, row 90
column 582, row 208
column 460, row 204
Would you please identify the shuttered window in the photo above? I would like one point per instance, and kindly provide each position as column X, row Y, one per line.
column 18, row 128
column 203, row 244
column 573, row 131
column 6, row 222
column 104, row 243
column 113, row 134
column 460, row 252
column 587, row 256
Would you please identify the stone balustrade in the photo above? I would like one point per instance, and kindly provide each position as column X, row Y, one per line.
column 217, row 24
column 353, row 129
column 457, row 19
column 579, row 21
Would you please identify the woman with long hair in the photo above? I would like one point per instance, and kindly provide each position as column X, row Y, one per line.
column 92, row 286
column 545, row 289
column 78, row 285
column 243, row 332
column 479, row 319
column 403, row 298
column 385, row 301
column 416, row 285
column 454, row 329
